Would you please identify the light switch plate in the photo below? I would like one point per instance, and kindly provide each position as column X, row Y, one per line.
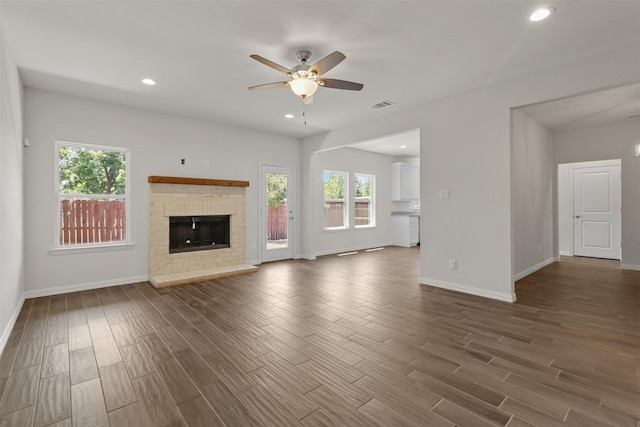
column 444, row 194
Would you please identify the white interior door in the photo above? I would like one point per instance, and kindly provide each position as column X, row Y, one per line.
column 597, row 218
column 277, row 209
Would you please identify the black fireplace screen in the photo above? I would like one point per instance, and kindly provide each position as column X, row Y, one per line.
column 198, row 233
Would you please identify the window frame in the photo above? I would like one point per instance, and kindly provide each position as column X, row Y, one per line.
column 126, row 243
column 345, row 201
column 371, row 198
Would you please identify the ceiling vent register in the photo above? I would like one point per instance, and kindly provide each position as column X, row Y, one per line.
column 382, row 104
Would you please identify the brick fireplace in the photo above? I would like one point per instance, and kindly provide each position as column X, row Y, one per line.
column 180, row 197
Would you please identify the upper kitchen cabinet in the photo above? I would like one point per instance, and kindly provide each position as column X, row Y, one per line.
column 405, row 182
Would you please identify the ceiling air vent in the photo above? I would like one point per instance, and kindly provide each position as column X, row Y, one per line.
column 382, row 104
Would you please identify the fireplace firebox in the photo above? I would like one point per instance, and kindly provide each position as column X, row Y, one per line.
column 198, row 233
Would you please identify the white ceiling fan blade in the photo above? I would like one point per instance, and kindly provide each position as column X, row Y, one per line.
column 271, row 64
column 327, row 63
column 270, row 85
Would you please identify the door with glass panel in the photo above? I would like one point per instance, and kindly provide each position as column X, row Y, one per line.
column 277, row 212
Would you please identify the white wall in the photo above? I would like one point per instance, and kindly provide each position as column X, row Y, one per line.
column 157, row 143
column 532, row 195
column 610, row 142
column 353, row 161
column 465, row 148
column 11, row 202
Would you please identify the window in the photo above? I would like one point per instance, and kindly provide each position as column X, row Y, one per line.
column 92, row 194
column 335, row 196
column 364, row 201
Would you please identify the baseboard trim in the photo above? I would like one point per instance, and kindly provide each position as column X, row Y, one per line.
column 533, row 269
column 12, row 322
column 351, row 249
column 500, row 296
column 565, row 253
column 85, row 286
column 635, row 267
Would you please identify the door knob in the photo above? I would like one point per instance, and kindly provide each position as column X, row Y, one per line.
column 577, row 216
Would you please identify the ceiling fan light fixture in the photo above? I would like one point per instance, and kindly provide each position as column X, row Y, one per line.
column 303, row 87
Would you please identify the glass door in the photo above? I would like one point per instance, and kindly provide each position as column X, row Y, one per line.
column 277, row 209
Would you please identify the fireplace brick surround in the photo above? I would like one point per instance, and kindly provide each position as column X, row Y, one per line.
column 177, row 196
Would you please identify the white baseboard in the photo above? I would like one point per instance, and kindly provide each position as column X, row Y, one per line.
column 501, row 296
column 533, row 269
column 254, row 262
column 635, row 267
column 85, row 286
column 565, row 253
column 306, row 256
column 12, row 321
column 351, row 249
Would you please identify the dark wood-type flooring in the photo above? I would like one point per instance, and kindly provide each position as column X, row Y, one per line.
column 352, row 341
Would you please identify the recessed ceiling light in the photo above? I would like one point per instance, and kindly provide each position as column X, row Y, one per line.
column 540, row 14
column 403, row 146
column 289, row 116
column 148, row 82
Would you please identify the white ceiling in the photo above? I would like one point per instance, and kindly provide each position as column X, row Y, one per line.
column 408, row 52
column 405, row 144
column 604, row 107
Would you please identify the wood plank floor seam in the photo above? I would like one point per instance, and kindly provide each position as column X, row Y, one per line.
column 336, row 341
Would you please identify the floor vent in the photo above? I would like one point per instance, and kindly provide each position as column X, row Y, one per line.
column 382, row 104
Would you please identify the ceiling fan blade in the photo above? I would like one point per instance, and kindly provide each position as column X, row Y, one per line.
column 270, row 86
column 340, row 84
column 271, row 64
column 327, row 63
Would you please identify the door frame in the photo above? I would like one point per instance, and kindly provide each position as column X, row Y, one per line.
column 566, row 216
column 291, row 203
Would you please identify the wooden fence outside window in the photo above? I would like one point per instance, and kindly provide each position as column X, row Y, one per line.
column 85, row 221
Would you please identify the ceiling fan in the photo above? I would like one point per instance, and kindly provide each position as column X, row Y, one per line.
column 305, row 79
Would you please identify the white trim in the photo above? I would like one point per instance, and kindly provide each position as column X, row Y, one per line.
column 82, row 249
column 85, row 286
column 350, row 249
column 12, row 322
column 501, row 296
column 565, row 253
column 635, row 267
column 533, row 269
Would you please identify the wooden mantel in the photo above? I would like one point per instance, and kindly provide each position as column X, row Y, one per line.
column 197, row 181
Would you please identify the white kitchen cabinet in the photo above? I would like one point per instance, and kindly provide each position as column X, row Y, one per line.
column 405, row 182
column 405, row 230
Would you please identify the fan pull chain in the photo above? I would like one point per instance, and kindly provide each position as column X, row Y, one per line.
column 304, row 112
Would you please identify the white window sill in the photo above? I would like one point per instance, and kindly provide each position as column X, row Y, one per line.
column 336, row 229
column 83, row 249
column 365, row 227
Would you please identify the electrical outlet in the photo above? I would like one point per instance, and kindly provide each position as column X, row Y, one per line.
column 183, row 161
column 206, row 163
column 453, row 264
column 539, row 249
